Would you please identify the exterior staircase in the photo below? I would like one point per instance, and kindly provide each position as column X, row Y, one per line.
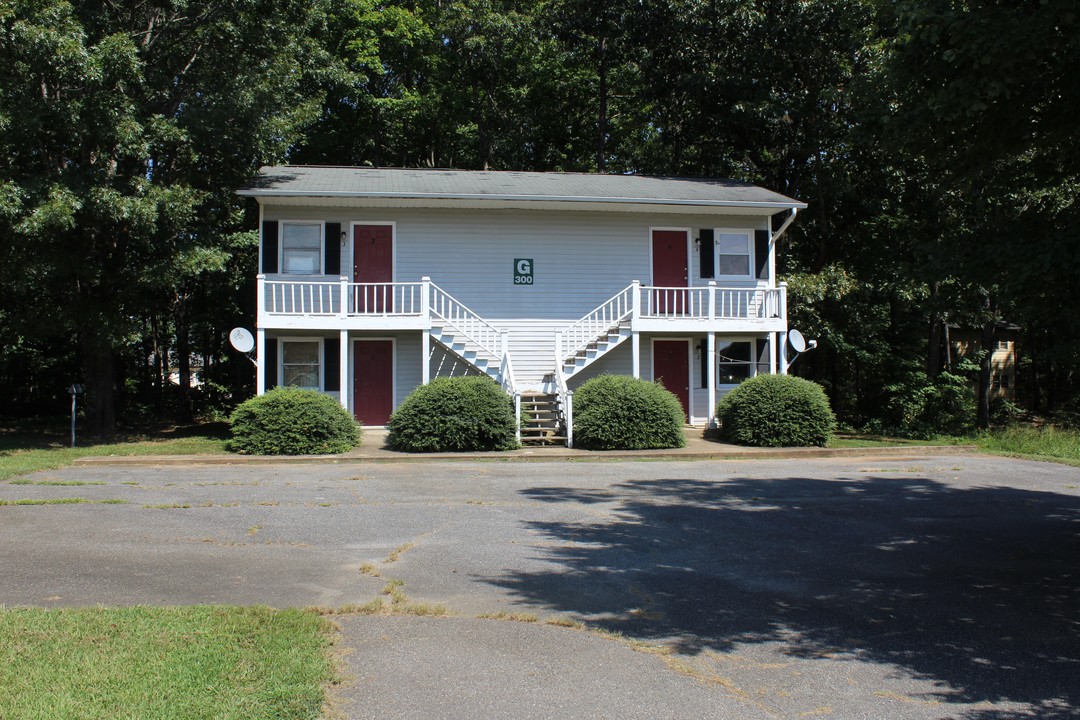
column 469, row 352
column 543, row 424
column 592, row 351
column 468, row 336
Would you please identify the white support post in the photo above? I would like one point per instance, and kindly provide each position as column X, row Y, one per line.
column 568, row 413
column 343, row 308
column 635, row 335
column 517, row 415
column 783, row 354
column 425, row 357
column 260, row 299
column 782, row 336
column 260, row 361
column 712, row 300
column 772, row 352
column 425, row 299
column 343, row 371
column 425, row 335
column 635, row 314
column 710, row 354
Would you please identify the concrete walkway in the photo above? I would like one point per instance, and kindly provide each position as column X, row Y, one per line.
column 373, row 448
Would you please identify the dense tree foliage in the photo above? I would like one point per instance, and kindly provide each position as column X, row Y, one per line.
column 934, row 141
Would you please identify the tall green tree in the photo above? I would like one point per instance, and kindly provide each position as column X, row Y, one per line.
column 984, row 100
column 126, row 128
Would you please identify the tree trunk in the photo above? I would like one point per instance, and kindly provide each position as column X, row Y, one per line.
column 601, row 110
column 948, row 346
column 988, row 342
column 183, row 361
column 933, row 350
column 99, row 369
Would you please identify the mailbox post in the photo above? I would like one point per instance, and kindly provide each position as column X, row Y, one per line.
column 75, row 390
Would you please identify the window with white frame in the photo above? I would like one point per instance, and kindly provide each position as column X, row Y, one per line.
column 301, row 248
column 734, row 362
column 733, row 253
column 300, row 364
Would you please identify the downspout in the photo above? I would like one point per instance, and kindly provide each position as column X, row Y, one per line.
column 790, row 218
column 782, row 361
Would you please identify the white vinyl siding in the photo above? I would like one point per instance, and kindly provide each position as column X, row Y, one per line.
column 579, row 261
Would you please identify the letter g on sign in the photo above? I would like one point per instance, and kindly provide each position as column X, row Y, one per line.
column 523, row 271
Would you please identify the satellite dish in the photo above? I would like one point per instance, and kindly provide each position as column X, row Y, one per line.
column 242, row 340
column 798, row 342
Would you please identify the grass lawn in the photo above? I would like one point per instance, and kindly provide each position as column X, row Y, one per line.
column 221, row 662
column 871, row 441
column 1045, row 443
column 1042, row 443
column 25, row 452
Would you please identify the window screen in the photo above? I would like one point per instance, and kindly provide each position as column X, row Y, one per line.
column 301, row 248
column 300, row 364
column 733, row 254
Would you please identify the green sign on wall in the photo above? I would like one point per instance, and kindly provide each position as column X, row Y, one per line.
column 523, row 271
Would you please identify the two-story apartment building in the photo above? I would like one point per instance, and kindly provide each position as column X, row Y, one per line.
column 373, row 281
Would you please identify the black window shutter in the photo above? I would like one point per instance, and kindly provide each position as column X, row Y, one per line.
column 707, row 253
column 706, row 363
column 761, row 253
column 332, row 249
column 270, row 246
column 762, row 355
column 332, row 364
column 270, row 364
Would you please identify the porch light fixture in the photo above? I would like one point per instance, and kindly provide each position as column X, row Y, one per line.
column 697, row 243
column 344, row 236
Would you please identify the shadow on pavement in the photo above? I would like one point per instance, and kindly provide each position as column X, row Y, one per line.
column 976, row 590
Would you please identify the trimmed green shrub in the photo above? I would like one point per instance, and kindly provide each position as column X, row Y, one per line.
column 460, row 414
column 776, row 411
column 292, row 421
column 620, row 412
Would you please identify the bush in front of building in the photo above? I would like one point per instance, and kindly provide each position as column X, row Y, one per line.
column 776, row 411
column 459, row 414
column 620, row 412
column 292, row 421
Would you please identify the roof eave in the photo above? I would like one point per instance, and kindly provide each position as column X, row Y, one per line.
column 764, row 205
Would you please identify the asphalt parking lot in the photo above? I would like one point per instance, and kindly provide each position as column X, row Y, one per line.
column 900, row 587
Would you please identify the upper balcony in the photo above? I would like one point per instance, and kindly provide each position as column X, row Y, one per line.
column 317, row 305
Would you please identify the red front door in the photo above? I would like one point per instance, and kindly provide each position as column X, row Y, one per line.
column 669, row 270
column 373, row 262
column 373, row 381
column 671, row 368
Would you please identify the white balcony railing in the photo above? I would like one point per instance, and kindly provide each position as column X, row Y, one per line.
column 710, row 303
column 426, row 300
column 321, row 298
column 293, row 297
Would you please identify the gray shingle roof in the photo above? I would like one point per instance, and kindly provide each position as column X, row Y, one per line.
column 359, row 182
